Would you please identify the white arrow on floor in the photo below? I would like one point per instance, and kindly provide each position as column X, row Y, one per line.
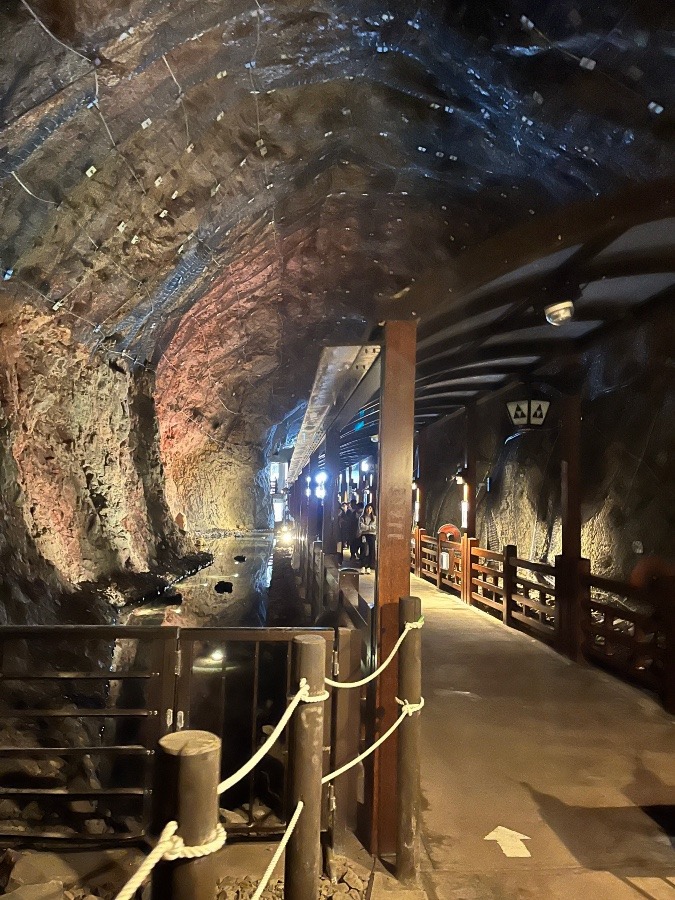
column 510, row 842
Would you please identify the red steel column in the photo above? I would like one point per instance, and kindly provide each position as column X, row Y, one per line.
column 397, row 406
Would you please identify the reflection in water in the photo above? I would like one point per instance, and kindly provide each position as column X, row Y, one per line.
column 246, row 604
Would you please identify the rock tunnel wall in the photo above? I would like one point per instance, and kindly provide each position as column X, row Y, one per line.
column 81, row 477
column 628, row 457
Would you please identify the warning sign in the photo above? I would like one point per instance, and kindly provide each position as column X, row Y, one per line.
column 538, row 410
column 519, row 412
column 528, row 412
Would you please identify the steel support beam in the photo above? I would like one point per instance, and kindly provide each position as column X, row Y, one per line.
column 393, row 567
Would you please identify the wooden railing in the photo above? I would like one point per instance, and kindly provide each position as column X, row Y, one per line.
column 622, row 630
column 626, row 629
column 532, row 595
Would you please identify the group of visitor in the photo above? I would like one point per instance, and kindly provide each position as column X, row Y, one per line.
column 358, row 527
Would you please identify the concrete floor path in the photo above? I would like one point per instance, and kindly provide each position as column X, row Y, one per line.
column 518, row 737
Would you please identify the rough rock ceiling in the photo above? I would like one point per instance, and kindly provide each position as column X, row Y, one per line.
column 213, row 189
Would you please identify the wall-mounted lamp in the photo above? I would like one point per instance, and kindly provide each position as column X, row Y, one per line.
column 559, row 313
column 365, row 466
column 321, row 478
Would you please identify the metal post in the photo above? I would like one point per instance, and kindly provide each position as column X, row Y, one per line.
column 346, row 735
column 392, row 577
column 303, row 854
column 187, row 777
column 408, row 760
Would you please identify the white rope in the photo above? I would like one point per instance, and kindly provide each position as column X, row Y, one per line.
column 171, row 847
column 302, row 696
column 409, row 626
column 164, row 843
column 280, row 849
column 407, row 709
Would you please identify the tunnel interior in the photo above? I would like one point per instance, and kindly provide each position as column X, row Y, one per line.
column 198, row 197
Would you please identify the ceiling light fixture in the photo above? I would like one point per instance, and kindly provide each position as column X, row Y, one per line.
column 559, row 313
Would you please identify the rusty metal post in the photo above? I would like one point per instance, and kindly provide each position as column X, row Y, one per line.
column 186, row 781
column 303, row 854
column 392, row 576
column 408, row 760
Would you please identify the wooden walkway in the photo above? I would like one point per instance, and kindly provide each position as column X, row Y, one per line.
column 517, row 737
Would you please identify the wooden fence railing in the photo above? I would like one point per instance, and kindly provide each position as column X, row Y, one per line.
column 621, row 630
column 628, row 630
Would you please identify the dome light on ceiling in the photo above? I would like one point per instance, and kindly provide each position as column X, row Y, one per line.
column 559, row 313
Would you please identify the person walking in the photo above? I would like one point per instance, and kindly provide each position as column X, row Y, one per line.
column 367, row 532
column 345, row 528
column 354, row 538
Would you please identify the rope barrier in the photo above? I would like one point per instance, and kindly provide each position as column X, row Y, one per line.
column 409, row 626
column 408, row 709
column 280, row 849
column 302, row 696
column 172, row 847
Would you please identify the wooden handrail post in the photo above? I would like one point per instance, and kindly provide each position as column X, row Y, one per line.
column 468, row 543
column 408, row 757
column 187, row 775
column 509, row 582
column 439, row 574
column 572, row 589
column 303, row 854
column 418, row 551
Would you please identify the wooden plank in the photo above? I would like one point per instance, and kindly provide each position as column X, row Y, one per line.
column 392, row 578
column 497, row 573
column 542, row 568
column 479, row 598
column 493, row 588
column 486, row 554
column 533, row 586
column 535, row 624
column 534, row 604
